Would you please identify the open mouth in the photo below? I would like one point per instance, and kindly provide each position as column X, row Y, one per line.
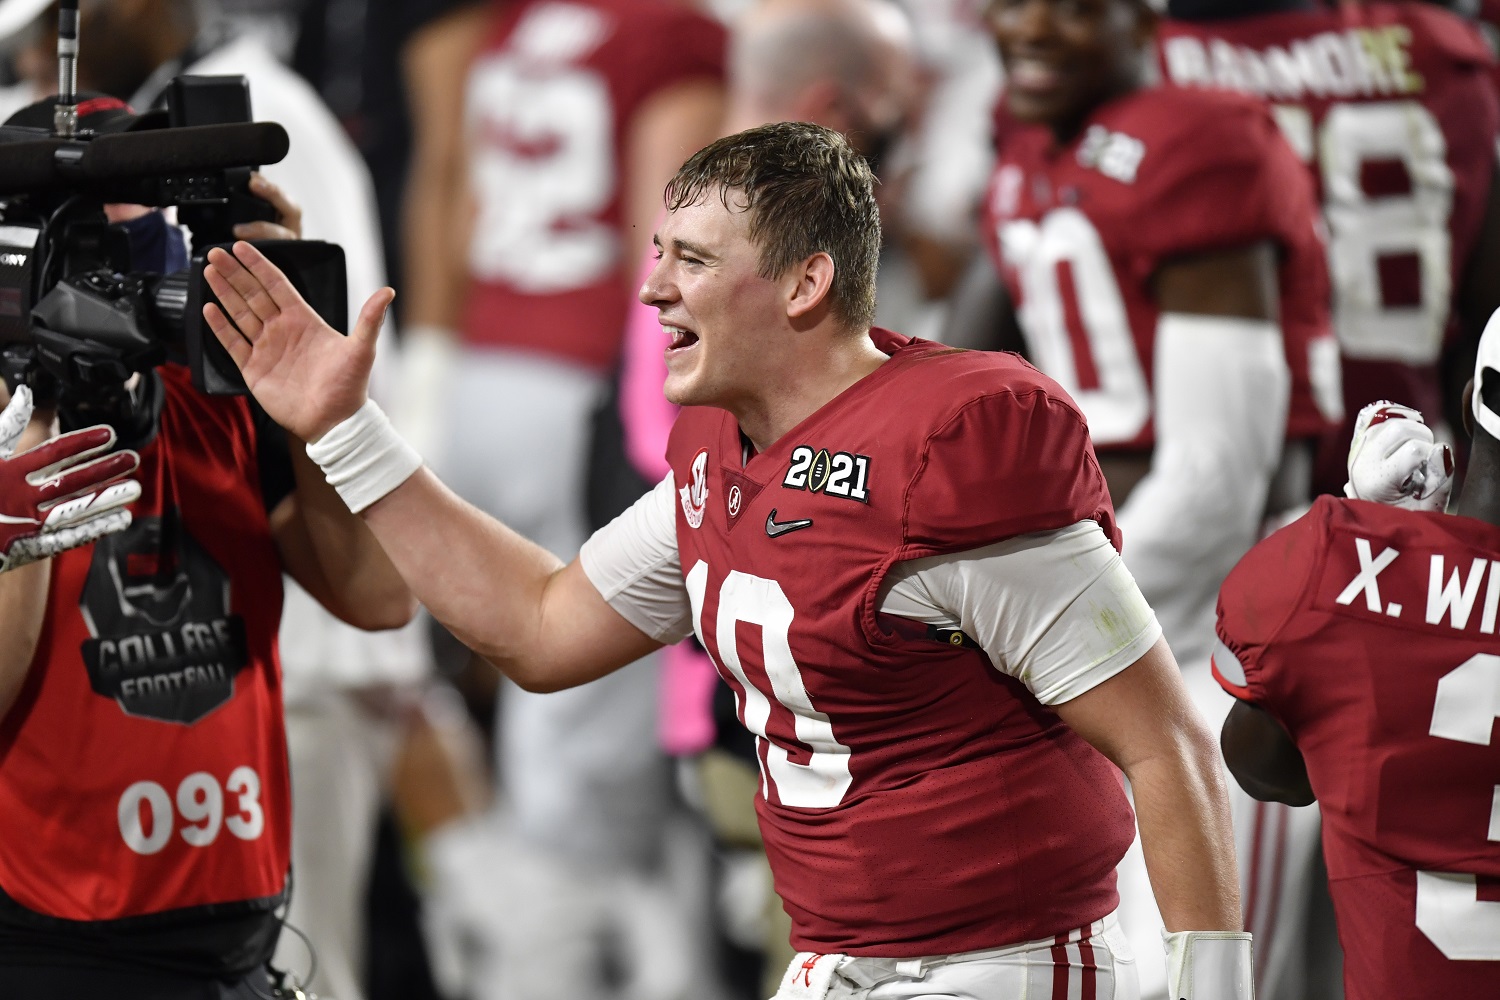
column 681, row 338
column 1031, row 74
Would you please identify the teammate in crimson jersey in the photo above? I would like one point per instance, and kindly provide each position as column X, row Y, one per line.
column 849, row 514
column 1157, row 251
column 145, row 826
column 1393, row 108
column 1360, row 644
column 545, row 131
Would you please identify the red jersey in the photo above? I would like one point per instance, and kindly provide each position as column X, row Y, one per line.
column 1393, row 109
column 1080, row 230
column 1370, row 634
column 914, row 800
column 143, row 767
column 548, row 113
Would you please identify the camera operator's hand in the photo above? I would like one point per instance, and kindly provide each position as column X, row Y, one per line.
column 49, row 502
column 305, row 374
column 288, row 224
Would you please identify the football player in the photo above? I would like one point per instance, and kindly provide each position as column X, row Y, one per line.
column 903, row 559
column 1393, row 108
column 544, row 134
column 1360, row 644
column 1157, row 252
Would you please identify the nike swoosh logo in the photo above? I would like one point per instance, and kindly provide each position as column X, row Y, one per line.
column 775, row 529
column 6, row 519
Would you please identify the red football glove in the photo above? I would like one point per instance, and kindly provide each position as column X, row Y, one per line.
column 49, row 502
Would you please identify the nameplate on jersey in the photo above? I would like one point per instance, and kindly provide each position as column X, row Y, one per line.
column 1439, row 592
column 834, row 474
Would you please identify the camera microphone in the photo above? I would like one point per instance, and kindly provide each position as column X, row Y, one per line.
column 125, row 156
column 187, row 149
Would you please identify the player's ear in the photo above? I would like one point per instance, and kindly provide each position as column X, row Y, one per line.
column 809, row 285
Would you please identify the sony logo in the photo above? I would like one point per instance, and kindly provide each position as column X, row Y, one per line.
column 14, row 259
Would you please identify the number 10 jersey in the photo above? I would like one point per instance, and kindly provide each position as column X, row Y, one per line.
column 914, row 800
column 1079, row 230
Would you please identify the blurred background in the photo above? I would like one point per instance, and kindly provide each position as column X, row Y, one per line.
column 501, row 165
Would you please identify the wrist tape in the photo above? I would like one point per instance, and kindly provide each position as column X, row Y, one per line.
column 1209, row 965
column 363, row 457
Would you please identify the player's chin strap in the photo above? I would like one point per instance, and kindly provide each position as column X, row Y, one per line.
column 1209, row 965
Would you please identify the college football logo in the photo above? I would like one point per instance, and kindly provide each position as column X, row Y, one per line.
column 695, row 494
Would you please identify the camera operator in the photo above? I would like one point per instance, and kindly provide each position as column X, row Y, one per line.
column 144, row 802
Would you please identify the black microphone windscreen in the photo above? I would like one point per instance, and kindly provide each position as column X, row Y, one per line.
column 29, row 166
column 154, row 152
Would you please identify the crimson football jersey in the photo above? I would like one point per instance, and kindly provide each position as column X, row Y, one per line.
column 1369, row 632
column 1393, row 109
column 143, row 767
column 914, row 800
column 548, row 112
column 1079, row 231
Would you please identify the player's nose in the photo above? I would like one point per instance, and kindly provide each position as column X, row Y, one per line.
column 658, row 288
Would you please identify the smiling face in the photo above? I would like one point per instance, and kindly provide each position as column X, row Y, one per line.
column 1063, row 58
column 722, row 316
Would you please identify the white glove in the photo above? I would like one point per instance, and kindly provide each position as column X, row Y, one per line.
column 1394, row 460
column 1209, row 965
column 429, row 357
column 52, row 498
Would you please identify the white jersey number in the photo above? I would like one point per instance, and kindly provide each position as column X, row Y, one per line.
column 542, row 166
column 147, row 819
column 823, row 780
column 1449, row 910
column 1118, row 402
column 1365, row 231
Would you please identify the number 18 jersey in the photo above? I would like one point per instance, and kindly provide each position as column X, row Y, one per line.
column 914, row 800
column 1369, row 633
column 1078, row 231
column 1394, row 111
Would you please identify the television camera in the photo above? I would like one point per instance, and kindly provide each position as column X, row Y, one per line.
column 76, row 319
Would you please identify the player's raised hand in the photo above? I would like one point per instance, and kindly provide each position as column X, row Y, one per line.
column 59, row 495
column 305, row 373
column 1394, row 459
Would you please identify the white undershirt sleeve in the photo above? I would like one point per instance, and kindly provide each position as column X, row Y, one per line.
column 632, row 562
column 1057, row 610
column 1222, row 387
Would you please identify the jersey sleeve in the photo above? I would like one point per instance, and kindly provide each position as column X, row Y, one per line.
column 1057, row 610
column 1256, row 601
column 1229, row 180
column 1007, row 462
column 632, row 562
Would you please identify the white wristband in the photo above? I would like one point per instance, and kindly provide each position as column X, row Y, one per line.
column 363, row 457
column 1209, row 965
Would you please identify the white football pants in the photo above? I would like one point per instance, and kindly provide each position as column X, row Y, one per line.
column 1091, row 962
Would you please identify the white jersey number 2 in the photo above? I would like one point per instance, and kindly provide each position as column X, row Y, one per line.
column 542, row 169
column 1449, row 910
column 1117, row 402
column 822, row 782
